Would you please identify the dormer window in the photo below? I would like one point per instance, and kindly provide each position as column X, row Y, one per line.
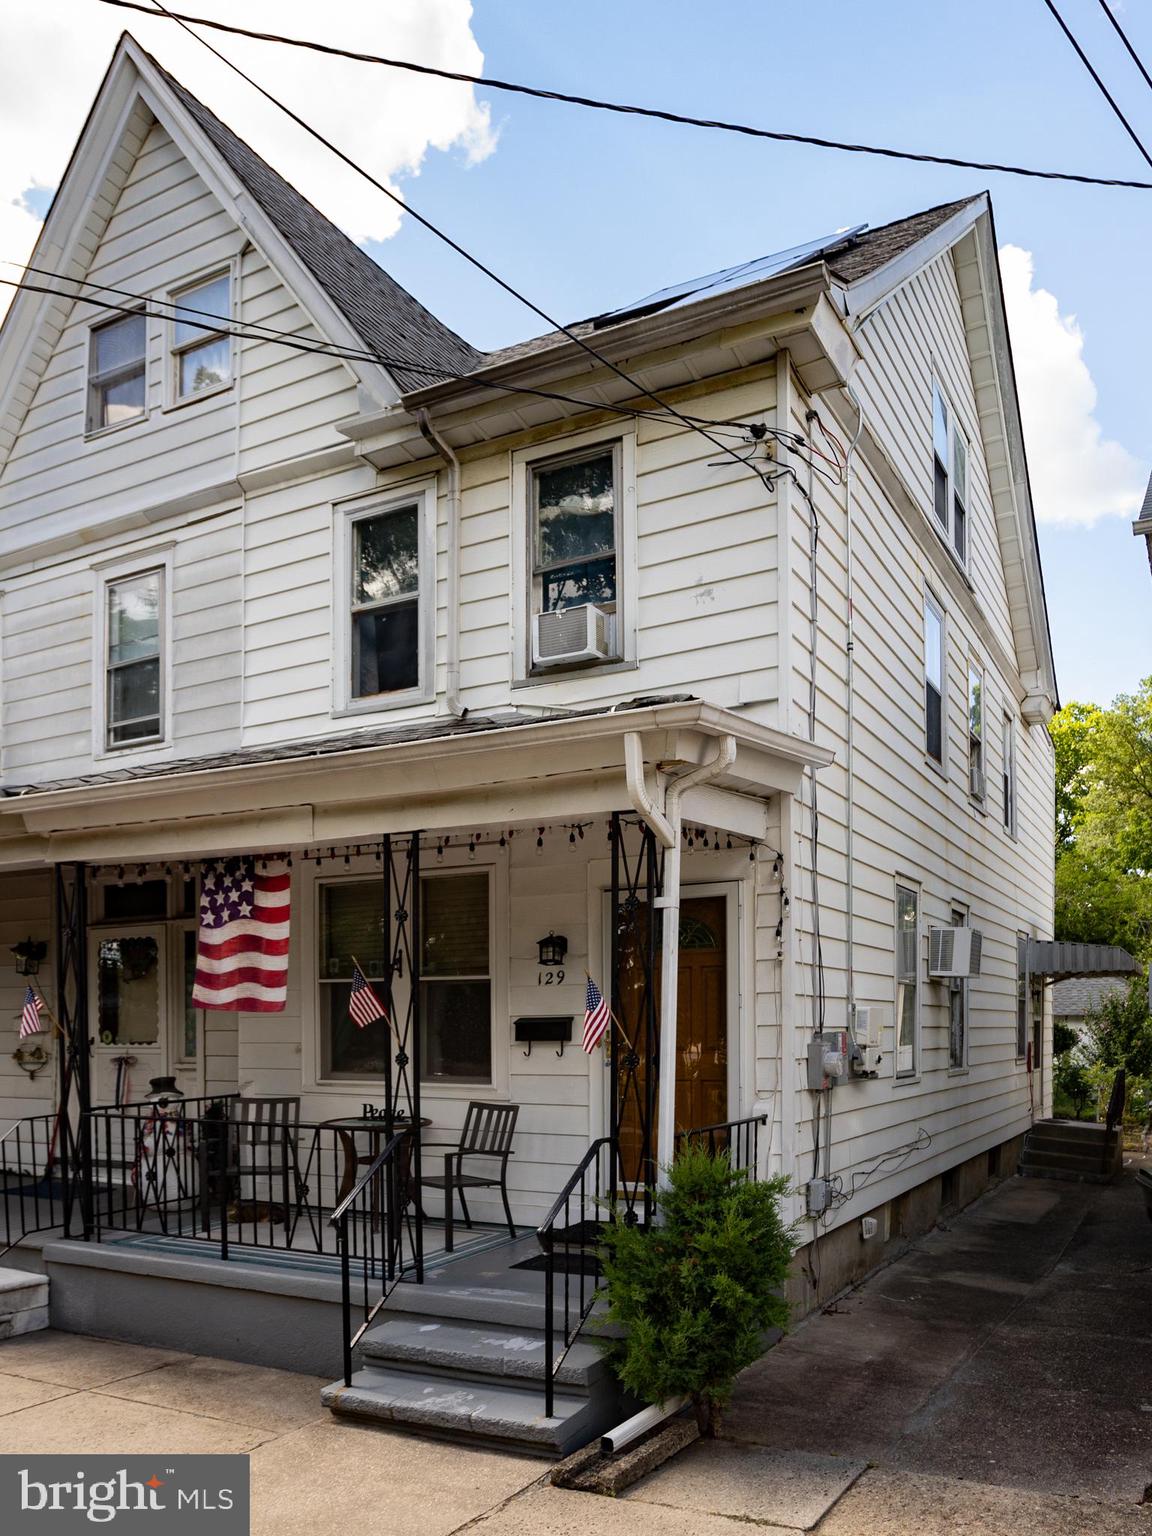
column 949, row 474
column 201, row 344
column 116, row 370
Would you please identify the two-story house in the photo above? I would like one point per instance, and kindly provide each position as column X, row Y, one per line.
column 291, row 572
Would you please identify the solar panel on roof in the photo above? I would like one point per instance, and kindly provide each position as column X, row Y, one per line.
column 728, row 278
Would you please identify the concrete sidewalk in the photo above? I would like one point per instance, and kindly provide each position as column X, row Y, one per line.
column 994, row 1381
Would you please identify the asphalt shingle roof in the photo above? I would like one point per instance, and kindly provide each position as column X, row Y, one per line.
column 1076, row 997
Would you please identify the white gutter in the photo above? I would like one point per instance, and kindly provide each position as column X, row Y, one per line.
column 639, row 1424
column 666, row 825
column 452, row 705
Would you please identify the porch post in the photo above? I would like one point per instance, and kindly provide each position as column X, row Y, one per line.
column 73, row 1050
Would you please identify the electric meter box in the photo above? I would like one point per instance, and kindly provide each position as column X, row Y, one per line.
column 828, row 1056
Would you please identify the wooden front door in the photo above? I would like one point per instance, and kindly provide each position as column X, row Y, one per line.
column 701, row 1029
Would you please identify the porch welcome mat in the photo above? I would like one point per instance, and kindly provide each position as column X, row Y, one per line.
column 566, row 1264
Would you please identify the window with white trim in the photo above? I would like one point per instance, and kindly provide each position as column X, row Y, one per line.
column 134, row 660
column 907, row 980
column 1008, row 773
column 456, row 977
column 574, row 530
column 933, row 679
column 117, row 368
column 958, row 1007
column 976, row 783
column 950, row 457
column 1021, row 995
column 384, row 621
column 201, row 343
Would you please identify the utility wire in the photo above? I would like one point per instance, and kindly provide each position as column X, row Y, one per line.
column 1104, row 91
column 448, row 240
column 630, row 110
column 1123, row 36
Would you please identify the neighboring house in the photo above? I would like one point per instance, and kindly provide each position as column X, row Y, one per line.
column 1074, row 999
column 261, row 601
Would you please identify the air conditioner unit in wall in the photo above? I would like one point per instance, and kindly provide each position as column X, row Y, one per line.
column 954, row 951
column 570, row 635
column 976, row 784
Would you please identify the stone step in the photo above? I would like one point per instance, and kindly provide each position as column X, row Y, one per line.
column 1082, row 1132
column 1085, row 1161
column 481, row 1353
column 506, row 1305
column 23, row 1302
column 1066, row 1175
column 508, row 1414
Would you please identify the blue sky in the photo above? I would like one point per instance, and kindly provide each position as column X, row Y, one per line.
column 583, row 210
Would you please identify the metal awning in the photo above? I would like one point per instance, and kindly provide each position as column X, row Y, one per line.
column 1057, row 960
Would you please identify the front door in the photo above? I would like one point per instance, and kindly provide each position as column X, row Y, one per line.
column 701, row 1029
column 128, row 987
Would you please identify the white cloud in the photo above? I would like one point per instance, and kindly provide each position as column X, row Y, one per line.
column 54, row 55
column 1078, row 475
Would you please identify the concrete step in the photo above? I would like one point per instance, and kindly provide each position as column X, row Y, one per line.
column 507, row 1414
column 23, row 1302
column 506, row 1305
column 1065, row 1175
column 1087, row 1161
column 1081, row 1133
column 482, row 1353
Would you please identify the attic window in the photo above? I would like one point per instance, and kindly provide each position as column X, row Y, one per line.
column 949, row 474
column 116, row 366
column 201, row 345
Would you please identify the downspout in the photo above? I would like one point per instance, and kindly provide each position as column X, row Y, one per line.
column 452, row 705
column 666, row 825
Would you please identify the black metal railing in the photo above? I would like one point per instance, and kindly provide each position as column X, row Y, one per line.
column 375, row 1236
column 570, row 1236
column 599, row 1192
column 739, row 1138
column 36, row 1185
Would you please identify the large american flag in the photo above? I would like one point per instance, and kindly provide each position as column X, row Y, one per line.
column 30, row 1014
column 242, row 941
column 597, row 1016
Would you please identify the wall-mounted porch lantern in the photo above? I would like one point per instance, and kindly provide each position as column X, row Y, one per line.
column 552, row 949
column 31, row 1059
column 29, row 953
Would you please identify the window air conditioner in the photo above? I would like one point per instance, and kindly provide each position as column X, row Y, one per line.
column 954, row 951
column 976, row 781
column 570, row 635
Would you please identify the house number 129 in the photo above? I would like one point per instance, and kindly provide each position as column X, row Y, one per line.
column 549, row 978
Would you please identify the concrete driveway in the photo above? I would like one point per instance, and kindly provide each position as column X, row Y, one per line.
column 1013, row 1350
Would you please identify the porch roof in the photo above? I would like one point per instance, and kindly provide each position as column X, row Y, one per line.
column 429, row 774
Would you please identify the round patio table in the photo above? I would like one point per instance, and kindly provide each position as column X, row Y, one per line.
column 376, row 1128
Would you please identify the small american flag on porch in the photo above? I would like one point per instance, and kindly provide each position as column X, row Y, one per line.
column 364, row 1007
column 597, row 1016
column 242, row 939
column 30, row 1014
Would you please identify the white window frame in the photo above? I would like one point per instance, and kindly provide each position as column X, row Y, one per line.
column 931, row 601
column 105, row 575
column 346, row 515
column 93, row 428
column 958, row 994
column 364, row 869
column 1008, row 781
column 946, row 527
column 173, row 399
column 524, row 462
column 977, row 740
column 1022, row 1015
column 909, row 1073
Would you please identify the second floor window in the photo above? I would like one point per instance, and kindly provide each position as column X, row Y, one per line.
column 949, row 474
column 574, row 545
column 134, row 664
column 975, row 732
column 933, row 680
column 907, row 979
column 201, row 345
column 116, row 372
column 385, row 620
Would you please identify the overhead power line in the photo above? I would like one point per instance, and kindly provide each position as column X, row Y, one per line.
column 1104, row 91
column 599, row 104
column 509, row 288
column 1123, row 36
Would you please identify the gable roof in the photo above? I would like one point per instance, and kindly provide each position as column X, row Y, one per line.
column 391, row 322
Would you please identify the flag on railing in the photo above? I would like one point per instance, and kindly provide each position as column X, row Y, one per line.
column 364, row 1007
column 597, row 1016
column 30, row 1014
column 242, row 940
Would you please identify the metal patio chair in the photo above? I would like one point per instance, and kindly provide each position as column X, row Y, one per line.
column 263, row 1152
column 488, row 1131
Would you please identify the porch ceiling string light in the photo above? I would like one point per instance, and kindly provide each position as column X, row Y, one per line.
column 696, row 838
